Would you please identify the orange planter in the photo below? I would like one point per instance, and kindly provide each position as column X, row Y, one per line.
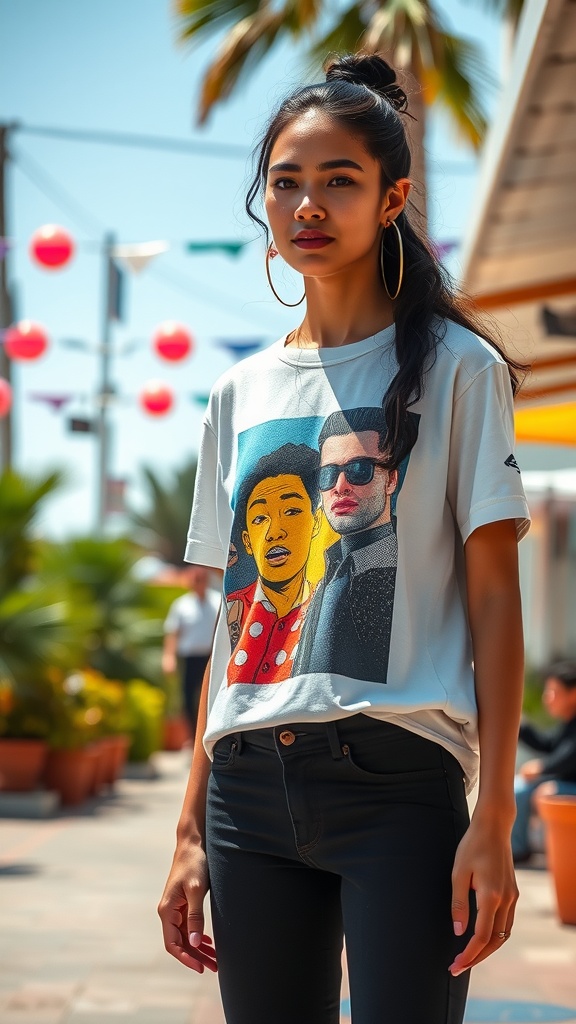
column 118, row 752
column 21, row 764
column 559, row 815
column 70, row 773
column 176, row 733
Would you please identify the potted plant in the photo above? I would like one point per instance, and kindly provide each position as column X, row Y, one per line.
column 71, row 764
column 23, row 730
column 559, row 816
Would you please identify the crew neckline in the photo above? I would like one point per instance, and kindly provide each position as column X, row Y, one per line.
column 330, row 356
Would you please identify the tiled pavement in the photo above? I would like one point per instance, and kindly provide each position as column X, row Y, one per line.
column 80, row 940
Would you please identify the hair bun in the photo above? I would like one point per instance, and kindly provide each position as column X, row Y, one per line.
column 367, row 69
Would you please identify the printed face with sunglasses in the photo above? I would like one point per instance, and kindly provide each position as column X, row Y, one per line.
column 354, row 484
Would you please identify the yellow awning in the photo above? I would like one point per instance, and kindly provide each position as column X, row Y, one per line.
column 547, row 424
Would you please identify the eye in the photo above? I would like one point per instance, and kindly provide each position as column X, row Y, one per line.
column 292, row 511
column 341, row 180
column 258, row 520
column 284, row 183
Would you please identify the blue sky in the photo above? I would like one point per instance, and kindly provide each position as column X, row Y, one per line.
column 116, row 65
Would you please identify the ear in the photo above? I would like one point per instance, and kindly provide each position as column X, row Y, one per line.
column 317, row 521
column 246, row 542
column 392, row 481
column 394, row 200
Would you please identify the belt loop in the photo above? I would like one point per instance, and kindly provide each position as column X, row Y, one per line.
column 239, row 741
column 334, row 741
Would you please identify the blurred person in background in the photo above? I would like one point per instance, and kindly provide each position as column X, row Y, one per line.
column 555, row 771
column 188, row 635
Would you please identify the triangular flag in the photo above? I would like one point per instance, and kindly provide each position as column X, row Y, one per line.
column 55, row 401
column 201, row 400
column 230, row 248
column 138, row 255
column 241, row 347
column 442, row 249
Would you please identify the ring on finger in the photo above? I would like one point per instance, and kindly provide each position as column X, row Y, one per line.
column 503, row 935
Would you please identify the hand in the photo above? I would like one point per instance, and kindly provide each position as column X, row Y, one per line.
column 181, row 910
column 483, row 863
column 531, row 770
column 169, row 664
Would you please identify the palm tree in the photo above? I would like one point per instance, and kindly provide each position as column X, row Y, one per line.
column 163, row 525
column 445, row 68
column 21, row 499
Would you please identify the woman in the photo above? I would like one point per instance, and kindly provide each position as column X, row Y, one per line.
column 335, row 801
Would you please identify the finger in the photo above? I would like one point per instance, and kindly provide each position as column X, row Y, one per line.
column 460, row 901
column 483, row 931
column 195, row 925
column 501, row 935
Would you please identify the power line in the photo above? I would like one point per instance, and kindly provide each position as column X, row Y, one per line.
column 207, row 295
column 108, row 138
column 58, row 195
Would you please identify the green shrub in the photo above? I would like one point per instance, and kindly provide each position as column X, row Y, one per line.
column 146, row 709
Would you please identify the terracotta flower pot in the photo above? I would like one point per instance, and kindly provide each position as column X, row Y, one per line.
column 70, row 773
column 99, row 754
column 176, row 732
column 118, row 752
column 21, row 763
column 559, row 815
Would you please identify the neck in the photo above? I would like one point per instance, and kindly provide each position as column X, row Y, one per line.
column 288, row 595
column 344, row 307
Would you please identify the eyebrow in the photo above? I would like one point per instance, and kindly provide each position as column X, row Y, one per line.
column 328, row 165
column 284, row 497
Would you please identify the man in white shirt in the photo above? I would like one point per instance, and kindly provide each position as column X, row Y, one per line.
column 188, row 634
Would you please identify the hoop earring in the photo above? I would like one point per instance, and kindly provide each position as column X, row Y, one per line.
column 269, row 256
column 401, row 266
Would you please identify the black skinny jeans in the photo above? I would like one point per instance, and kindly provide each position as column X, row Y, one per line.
column 349, row 828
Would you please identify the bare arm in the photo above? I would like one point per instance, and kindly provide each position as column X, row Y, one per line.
column 484, row 858
column 181, row 906
column 169, row 653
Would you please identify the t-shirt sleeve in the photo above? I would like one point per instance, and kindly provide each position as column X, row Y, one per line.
column 484, row 483
column 204, row 545
column 172, row 620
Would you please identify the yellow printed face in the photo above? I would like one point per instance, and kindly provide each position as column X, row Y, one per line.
column 280, row 525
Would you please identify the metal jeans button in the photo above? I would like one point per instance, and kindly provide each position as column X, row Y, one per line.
column 287, row 738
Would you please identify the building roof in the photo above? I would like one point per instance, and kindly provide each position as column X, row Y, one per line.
column 519, row 256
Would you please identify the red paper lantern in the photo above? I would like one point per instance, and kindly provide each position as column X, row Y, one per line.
column 172, row 341
column 51, row 246
column 25, row 340
column 156, row 398
column 5, row 397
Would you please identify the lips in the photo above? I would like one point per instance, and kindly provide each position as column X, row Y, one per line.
column 312, row 239
column 277, row 555
column 343, row 508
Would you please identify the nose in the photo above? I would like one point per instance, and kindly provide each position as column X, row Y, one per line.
column 309, row 210
column 275, row 531
column 341, row 483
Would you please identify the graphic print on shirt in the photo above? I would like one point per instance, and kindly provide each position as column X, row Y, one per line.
column 313, row 555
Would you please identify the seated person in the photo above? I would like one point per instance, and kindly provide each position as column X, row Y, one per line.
column 555, row 771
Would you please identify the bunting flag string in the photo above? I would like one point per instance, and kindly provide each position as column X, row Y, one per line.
column 232, row 249
column 241, row 347
column 135, row 256
column 56, row 402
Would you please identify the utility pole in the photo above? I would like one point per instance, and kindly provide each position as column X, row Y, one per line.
column 6, row 308
column 109, row 311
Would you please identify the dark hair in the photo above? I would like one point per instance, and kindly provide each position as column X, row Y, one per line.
column 351, row 421
column 362, row 94
column 291, row 459
column 564, row 671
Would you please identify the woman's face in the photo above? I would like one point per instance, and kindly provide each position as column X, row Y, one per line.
column 322, row 181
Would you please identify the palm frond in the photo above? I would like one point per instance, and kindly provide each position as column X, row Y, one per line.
column 199, row 18
column 462, row 84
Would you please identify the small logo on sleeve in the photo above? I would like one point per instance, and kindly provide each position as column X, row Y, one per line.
column 511, row 461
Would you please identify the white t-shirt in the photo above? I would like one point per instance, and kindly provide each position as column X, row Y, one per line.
column 194, row 621
column 351, row 598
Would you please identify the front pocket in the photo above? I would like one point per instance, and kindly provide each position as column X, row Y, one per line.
column 224, row 753
column 421, row 774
